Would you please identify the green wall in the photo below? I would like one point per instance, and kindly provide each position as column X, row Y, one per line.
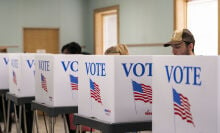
column 141, row 21
column 67, row 15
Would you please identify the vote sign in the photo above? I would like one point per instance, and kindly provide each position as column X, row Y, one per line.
column 57, row 79
column 21, row 74
column 185, row 94
column 116, row 88
column 4, row 71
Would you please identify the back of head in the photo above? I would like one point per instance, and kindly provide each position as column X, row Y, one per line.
column 85, row 53
column 71, row 48
column 120, row 49
column 112, row 50
column 3, row 50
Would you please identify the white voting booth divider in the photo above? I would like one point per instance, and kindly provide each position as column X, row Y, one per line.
column 4, row 71
column 115, row 88
column 21, row 74
column 186, row 94
column 57, row 79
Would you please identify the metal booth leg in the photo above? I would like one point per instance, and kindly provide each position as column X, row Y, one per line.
column 16, row 120
column 25, row 120
column 65, row 123
column 4, row 112
column 8, row 115
column 78, row 129
column 51, row 124
column 35, row 122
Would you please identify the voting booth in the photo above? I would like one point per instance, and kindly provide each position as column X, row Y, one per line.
column 186, row 94
column 116, row 88
column 57, row 79
column 21, row 74
column 4, row 71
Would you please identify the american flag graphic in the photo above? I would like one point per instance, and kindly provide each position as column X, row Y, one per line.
column 142, row 92
column 182, row 107
column 95, row 91
column 14, row 78
column 43, row 82
column 74, row 82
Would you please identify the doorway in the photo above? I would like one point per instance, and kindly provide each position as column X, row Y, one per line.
column 201, row 17
column 106, row 28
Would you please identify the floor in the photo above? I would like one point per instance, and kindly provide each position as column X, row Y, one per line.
column 59, row 126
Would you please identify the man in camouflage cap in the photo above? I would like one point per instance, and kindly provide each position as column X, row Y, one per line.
column 182, row 42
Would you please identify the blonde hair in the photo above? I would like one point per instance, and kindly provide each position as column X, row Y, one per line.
column 120, row 48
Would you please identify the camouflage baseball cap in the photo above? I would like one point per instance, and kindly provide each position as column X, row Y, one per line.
column 180, row 36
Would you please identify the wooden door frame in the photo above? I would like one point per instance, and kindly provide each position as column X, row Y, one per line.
column 98, row 23
column 218, row 27
column 180, row 14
